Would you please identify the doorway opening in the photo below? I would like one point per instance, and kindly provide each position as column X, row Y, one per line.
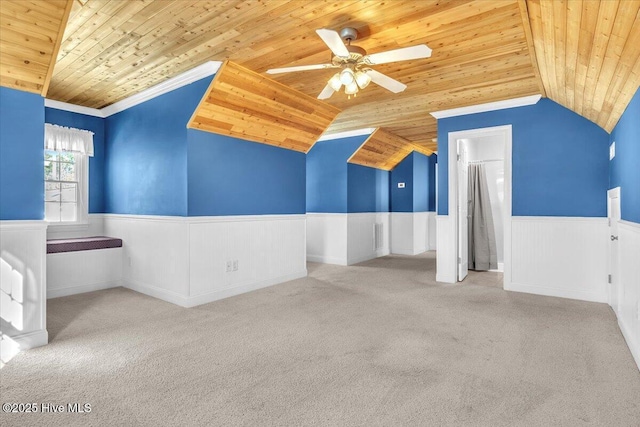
column 480, row 201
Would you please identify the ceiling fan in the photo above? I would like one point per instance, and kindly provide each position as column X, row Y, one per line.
column 356, row 72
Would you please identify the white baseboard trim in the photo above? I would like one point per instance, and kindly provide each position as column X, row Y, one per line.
column 408, row 252
column 189, row 302
column 326, row 259
column 155, row 292
column 634, row 346
column 72, row 290
column 555, row 292
column 241, row 289
column 357, row 260
column 32, row 339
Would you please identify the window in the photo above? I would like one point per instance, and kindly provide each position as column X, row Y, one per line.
column 66, row 175
column 61, row 186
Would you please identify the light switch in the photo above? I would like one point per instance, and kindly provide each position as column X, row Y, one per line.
column 401, row 185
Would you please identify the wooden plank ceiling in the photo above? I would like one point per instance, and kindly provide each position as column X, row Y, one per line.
column 30, row 37
column 582, row 54
column 247, row 105
column 113, row 49
column 589, row 54
column 384, row 150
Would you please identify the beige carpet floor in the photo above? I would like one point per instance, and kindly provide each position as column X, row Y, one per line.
column 376, row 344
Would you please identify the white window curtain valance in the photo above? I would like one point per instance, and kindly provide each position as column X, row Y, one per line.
column 61, row 138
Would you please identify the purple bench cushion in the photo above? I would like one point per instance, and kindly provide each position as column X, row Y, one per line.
column 82, row 244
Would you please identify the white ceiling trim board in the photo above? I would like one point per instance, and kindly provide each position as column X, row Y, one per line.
column 65, row 106
column 347, row 134
column 205, row 70
column 490, row 106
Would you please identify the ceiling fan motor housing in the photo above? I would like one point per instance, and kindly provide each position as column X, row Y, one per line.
column 349, row 34
column 356, row 53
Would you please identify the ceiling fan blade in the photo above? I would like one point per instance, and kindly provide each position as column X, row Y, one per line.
column 386, row 81
column 326, row 92
column 334, row 41
column 404, row 54
column 300, row 68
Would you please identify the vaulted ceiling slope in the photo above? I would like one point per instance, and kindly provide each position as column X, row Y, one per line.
column 582, row 54
column 384, row 150
column 247, row 105
column 589, row 54
column 30, row 36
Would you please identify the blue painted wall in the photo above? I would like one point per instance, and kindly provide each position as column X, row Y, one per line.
column 433, row 160
column 560, row 160
column 156, row 166
column 417, row 171
column 21, row 155
column 146, row 147
column 420, row 182
column 327, row 187
column 96, row 163
column 229, row 176
column 367, row 189
column 402, row 198
column 625, row 166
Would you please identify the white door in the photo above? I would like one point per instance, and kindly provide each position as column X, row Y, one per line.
column 613, row 213
column 463, row 212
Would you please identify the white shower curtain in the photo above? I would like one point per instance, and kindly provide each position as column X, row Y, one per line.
column 482, row 238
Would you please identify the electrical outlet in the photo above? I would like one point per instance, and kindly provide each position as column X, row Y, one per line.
column 229, row 266
column 235, row 265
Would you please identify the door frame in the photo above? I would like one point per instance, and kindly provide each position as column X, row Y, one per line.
column 613, row 193
column 506, row 132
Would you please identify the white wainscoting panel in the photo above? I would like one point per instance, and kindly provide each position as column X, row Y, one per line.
column 560, row 256
column 410, row 232
column 76, row 272
column 183, row 260
column 432, row 231
column 420, row 232
column 94, row 227
column 361, row 237
column 629, row 315
column 446, row 262
column 263, row 250
column 23, row 284
column 402, row 233
column 327, row 238
column 155, row 254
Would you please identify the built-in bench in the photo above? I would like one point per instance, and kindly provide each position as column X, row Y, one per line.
column 83, row 264
column 82, row 244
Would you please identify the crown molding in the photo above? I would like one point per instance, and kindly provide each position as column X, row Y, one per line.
column 346, row 134
column 59, row 105
column 205, row 70
column 490, row 106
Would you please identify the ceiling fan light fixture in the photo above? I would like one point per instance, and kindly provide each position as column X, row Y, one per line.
column 335, row 82
column 351, row 88
column 362, row 79
column 347, row 77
